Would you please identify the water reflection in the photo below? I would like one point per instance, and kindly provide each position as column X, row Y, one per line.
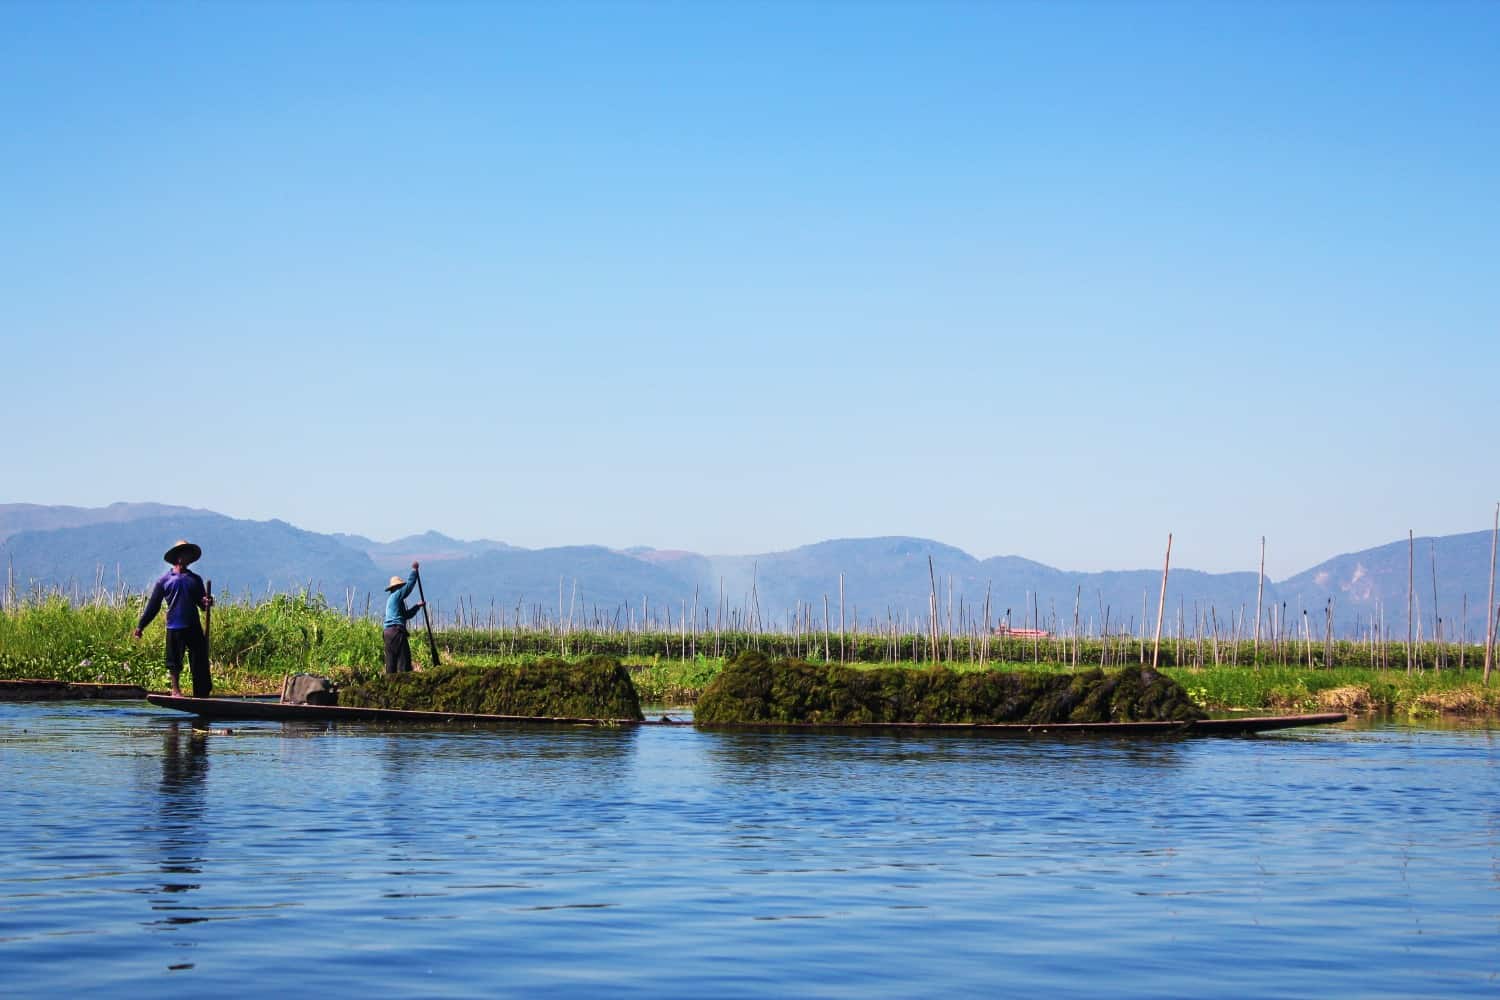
column 181, row 804
column 546, row 862
column 181, row 825
column 740, row 756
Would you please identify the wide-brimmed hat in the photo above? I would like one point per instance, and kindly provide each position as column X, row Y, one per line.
column 396, row 581
column 185, row 550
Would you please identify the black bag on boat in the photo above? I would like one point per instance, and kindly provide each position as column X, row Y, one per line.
column 308, row 689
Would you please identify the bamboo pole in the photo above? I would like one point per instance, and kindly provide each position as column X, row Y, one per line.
column 1161, row 603
column 1489, row 607
column 825, row 628
column 950, row 618
column 1437, row 620
column 984, row 657
column 1463, row 640
column 1410, row 581
column 1077, row 635
column 1259, row 590
column 932, row 609
column 1328, row 635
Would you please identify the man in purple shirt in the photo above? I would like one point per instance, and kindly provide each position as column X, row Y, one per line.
column 184, row 593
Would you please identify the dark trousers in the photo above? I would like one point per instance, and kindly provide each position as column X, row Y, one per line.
column 191, row 641
column 397, row 650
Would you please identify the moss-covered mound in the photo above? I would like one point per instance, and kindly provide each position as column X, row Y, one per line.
column 594, row 688
column 756, row 690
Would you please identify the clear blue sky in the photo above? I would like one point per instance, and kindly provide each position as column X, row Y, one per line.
column 1039, row 279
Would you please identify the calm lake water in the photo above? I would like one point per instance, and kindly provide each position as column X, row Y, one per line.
column 145, row 859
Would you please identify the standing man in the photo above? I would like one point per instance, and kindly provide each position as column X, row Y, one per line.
column 397, row 646
column 184, row 593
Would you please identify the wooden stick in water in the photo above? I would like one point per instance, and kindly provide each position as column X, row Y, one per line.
column 1489, row 608
column 431, row 642
column 1161, row 603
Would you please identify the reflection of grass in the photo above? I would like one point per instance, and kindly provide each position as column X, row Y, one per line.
column 256, row 644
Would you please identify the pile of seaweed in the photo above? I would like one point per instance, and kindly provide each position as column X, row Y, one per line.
column 753, row 689
column 597, row 687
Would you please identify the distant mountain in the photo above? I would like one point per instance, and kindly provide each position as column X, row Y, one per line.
column 885, row 580
column 889, row 580
column 430, row 546
column 1375, row 583
column 241, row 557
column 15, row 517
column 586, row 581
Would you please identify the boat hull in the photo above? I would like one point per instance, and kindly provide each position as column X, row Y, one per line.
column 36, row 689
column 1202, row 727
column 272, row 710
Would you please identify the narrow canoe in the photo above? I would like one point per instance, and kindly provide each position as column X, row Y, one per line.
column 38, row 689
column 1203, row 727
column 270, row 709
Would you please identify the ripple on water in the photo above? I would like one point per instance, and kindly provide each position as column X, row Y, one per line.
column 667, row 862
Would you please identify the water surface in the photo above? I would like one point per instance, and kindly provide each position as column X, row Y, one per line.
column 147, row 858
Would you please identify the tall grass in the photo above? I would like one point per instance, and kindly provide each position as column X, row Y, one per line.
column 256, row 643
column 52, row 637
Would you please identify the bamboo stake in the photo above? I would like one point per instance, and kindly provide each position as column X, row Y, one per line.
column 1463, row 641
column 932, row 608
column 1077, row 638
column 1437, row 630
column 1328, row 635
column 1260, row 587
column 1410, row 580
column 950, row 618
column 825, row 628
column 1161, row 603
column 1489, row 607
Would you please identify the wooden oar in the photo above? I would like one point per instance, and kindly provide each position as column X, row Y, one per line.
column 431, row 642
column 208, row 614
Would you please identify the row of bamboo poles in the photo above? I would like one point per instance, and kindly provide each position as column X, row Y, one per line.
column 965, row 633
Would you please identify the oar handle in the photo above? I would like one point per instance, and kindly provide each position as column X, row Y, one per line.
column 431, row 642
column 208, row 613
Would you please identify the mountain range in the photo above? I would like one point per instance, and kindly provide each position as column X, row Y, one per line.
column 885, row 580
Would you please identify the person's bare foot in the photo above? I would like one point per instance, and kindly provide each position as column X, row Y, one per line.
column 177, row 692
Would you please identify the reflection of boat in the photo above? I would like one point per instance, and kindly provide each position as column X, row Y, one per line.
column 270, row 708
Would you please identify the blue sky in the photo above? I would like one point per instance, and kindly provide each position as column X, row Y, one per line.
column 1039, row 279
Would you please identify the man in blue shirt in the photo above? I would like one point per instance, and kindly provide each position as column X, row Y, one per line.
column 397, row 645
column 184, row 594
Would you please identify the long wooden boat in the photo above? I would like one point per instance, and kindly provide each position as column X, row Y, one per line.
column 39, row 689
column 270, row 709
column 1203, row 727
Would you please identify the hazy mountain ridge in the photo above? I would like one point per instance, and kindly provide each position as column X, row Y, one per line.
column 18, row 517
column 430, row 546
column 1376, row 582
column 885, row 579
column 241, row 557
